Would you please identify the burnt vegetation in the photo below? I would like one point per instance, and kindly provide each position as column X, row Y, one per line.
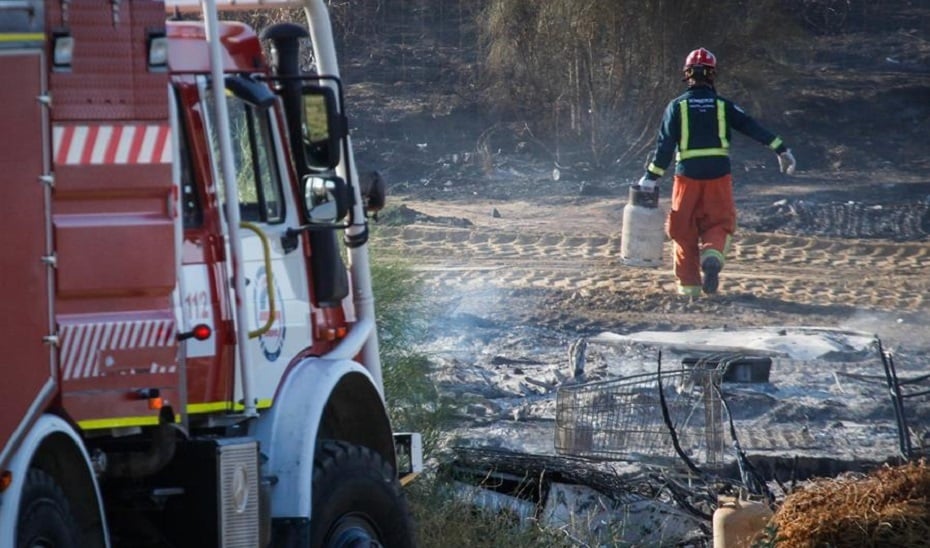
column 582, row 84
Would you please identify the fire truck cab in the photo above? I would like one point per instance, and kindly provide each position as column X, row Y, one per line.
column 190, row 349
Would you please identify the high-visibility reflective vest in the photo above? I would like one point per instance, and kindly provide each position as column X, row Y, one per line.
column 685, row 151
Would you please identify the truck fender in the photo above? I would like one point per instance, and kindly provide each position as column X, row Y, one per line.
column 318, row 399
column 55, row 430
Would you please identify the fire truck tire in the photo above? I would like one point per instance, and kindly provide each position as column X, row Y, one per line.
column 357, row 500
column 45, row 517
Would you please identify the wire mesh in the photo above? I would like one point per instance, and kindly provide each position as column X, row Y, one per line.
column 623, row 419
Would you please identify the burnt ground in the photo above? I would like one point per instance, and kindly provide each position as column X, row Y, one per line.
column 853, row 107
column 515, row 263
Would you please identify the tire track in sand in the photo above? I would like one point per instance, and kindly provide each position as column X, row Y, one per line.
column 879, row 275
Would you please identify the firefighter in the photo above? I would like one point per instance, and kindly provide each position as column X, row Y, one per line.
column 702, row 217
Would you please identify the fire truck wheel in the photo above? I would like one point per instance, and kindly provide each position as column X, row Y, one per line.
column 45, row 518
column 357, row 500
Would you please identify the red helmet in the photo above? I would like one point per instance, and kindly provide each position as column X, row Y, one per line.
column 700, row 57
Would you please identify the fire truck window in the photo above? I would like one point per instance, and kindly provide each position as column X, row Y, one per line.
column 257, row 177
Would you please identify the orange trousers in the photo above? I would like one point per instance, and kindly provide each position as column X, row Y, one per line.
column 701, row 221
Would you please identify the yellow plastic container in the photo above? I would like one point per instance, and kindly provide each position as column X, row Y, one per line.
column 738, row 522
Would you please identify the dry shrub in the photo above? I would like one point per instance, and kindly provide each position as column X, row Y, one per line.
column 888, row 507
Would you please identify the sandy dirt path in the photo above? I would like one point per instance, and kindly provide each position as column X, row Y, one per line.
column 559, row 266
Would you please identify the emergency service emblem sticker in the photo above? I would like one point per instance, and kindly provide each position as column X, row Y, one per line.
column 271, row 341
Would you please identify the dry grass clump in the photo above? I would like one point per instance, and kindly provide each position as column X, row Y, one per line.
column 445, row 519
column 888, row 507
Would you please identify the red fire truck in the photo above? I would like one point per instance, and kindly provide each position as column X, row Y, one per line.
column 189, row 345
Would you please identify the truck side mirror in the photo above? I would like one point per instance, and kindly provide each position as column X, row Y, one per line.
column 324, row 127
column 326, row 199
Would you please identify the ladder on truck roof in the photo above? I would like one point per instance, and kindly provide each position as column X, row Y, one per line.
column 195, row 6
column 362, row 339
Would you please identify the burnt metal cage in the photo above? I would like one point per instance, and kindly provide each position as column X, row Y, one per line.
column 624, row 419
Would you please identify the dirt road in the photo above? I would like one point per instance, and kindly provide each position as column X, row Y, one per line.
column 559, row 266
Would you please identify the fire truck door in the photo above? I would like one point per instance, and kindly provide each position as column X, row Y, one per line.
column 276, row 291
column 26, row 364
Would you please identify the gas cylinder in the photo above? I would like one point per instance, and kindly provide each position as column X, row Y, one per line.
column 739, row 522
column 643, row 236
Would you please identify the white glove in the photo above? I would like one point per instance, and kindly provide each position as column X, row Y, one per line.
column 646, row 184
column 786, row 162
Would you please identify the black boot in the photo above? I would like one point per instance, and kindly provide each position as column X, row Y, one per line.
column 711, row 267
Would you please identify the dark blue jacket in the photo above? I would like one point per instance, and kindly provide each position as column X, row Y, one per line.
column 698, row 124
